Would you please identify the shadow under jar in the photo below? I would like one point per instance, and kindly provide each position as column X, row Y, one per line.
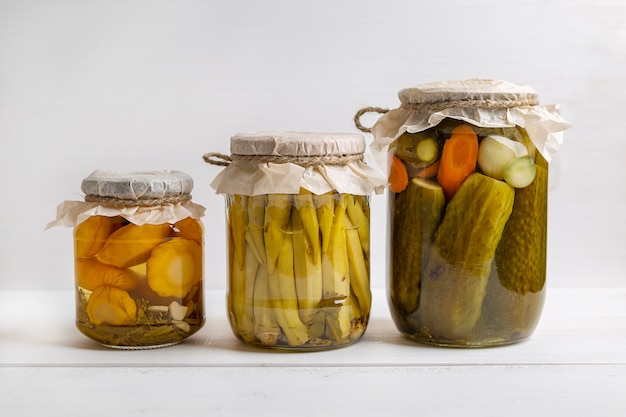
column 468, row 210
column 298, row 217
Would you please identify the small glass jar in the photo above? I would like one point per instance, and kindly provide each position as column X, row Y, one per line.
column 138, row 254
column 298, row 217
column 468, row 184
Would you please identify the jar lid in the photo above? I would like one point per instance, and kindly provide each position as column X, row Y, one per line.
column 469, row 93
column 137, row 186
column 282, row 162
column 296, row 144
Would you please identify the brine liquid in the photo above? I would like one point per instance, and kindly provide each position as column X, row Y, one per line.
column 138, row 286
column 298, row 269
column 468, row 268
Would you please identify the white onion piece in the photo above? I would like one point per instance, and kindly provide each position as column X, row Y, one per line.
column 495, row 152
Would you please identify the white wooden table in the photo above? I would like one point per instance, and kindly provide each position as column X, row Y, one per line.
column 574, row 365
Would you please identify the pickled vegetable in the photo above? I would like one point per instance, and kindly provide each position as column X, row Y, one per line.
column 507, row 315
column 325, row 208
column 311, row 290
column 469, row 270
column 521, row 259
column 411, row 238
column 418, row 154
column 459, row 265
column 266, row 329
column 188, row 228
column 91, row 274
column 91, row 234
column 276, row 219
column 335, row 282
column 358, row 267
column 520, row 172
column 132, row 244
column 242, row 280
column 174, row 267
column 138, row 286
column 417, row 150
column 284, row 300
column 307, row 267
column 398, row 175
column 359, row 216
column 427, row 150
column 458, row 159
column 495, row 152
column 110, row 305
column 306, row 209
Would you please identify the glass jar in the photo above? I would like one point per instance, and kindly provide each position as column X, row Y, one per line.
column 298, row 217
column 138, row 256
column 468, row 183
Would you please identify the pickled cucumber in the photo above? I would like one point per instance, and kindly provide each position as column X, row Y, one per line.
column 416, row 215
column 521, row 256
column 459, row 265
column 507, row 315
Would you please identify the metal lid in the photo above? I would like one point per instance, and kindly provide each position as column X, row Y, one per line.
column 296, row 144
column 465, row 93
column 137, row 186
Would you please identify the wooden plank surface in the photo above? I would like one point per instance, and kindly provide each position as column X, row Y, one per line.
column 573, row 365
column 579, row 326
column 479, row 390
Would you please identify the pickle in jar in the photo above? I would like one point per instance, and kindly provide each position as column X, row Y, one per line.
column 438, row 294
column 135, row 282
column 309, row 289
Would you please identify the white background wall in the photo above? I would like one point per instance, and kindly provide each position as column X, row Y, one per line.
column 154, row 84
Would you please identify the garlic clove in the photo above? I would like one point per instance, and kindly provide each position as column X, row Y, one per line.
column 160, row 309
column 182, row 325
column 177, row 311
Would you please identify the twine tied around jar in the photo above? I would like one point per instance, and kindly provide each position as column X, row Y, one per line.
column 219, row 159
column 146, row 202
column 364, row 110
column 442, row 105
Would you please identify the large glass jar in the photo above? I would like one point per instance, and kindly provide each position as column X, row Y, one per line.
column 468, row 184
column 138, row 256
column 298, row 222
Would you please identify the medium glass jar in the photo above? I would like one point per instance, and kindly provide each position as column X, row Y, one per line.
column 298, row 217
column 138, row 255
column 468, row 184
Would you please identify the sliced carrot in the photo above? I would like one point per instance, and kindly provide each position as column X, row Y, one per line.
column 458, row 159
column 429, row 171
column 398, row 175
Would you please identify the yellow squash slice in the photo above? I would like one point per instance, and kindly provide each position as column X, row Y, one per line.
column 91, row 274
column 132, row 244
column 188, row 228
column 174, row 267
column 90, row 235
column 110, row 305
